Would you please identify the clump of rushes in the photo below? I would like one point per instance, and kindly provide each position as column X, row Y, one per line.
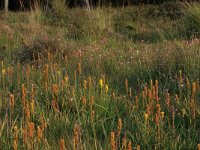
column 112, row 141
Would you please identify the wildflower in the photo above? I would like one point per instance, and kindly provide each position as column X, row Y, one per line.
column 62, row 144
column 12, row 101
column 106, row 88
column 76, row 135
column 162, row 115
column 124, row 142
column 126, row 85
column 101, row 83
column 138, row 147
column 91, row 101
column 79, row 68
column 39, row 133
column 112, row 141
column 129, row 146
column 119, row 127
column 130, row 92
column 180, row 78
column 198, row 146
column 84, row 102
column 183, row 111
column 92, row 116
column 146, row 116
column 31, row 129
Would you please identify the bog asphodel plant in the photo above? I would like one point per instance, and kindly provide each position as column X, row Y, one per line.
column 146, row 116
column 39, row 134
column 15, row 142
column 124, row 143
column 119, row 127
column 12, row 103
column 106, row 88
column 112, row 141
column 129, row 147
column 62, row 144
column 126, row 86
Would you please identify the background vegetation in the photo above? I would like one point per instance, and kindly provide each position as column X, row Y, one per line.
column 109, row 78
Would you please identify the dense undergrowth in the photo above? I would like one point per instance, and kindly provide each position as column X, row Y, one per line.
column 112, row 78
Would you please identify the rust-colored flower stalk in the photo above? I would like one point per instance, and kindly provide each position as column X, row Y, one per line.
column 84, row 101
column 180, row 78
column 193, row 108
column 15, row 142
column 119, row 127
column 27, row 113
column 76, row 136
column 112, row 140
column 91, row 101
column 92, row 116
column 79, row 69
column 146, row 116
column 126, row 85
column 62, row 144
column 31, row 130
column 39, row 134
column 188, row 84
column 138, row 147
column 12, row 103
column 23, row 96
column 129, row 147
column 158, row 114
column 124, row 143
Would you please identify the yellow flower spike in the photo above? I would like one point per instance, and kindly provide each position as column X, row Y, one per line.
column 162, row 115
column 106, row 88
column 101, row 83
column 183, row 112
column 146, row 116
column 3, row 72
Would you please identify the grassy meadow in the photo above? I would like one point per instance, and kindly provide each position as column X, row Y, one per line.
column 108, row 79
